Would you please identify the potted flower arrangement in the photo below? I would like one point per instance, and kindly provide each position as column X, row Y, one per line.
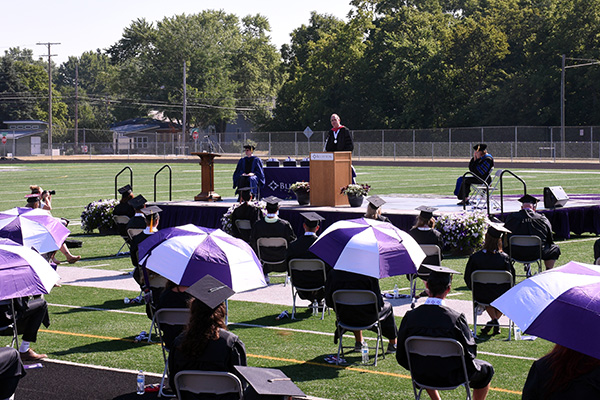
column 302, row 192
column 463, row 233
column 99, row 215
column 356, row 193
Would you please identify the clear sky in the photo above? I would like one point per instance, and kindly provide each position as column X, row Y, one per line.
column 85, row 25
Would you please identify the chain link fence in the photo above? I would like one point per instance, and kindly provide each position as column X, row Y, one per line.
column 513, row 142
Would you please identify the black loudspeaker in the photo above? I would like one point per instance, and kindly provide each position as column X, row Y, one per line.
column 555, row 196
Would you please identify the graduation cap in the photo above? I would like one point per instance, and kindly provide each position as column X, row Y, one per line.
column 528, row 199
column 375, row 201
column 249, row 146
column 125, row 189
column 137, row 202
column 269, row 383
column 32, row 198
column 311, row 219
column 426, row 212
column 272, row 203
column 149, row 211
column 439, row 274
column 210, row 291
column 480, row 147
column 496, row 229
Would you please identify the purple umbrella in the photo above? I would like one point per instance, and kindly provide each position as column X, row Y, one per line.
column 33, row 227
column 369, row 247
column 561, row 305
column 23, row 272
column 184, row 254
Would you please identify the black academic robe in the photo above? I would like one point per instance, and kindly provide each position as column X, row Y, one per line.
column 123, row 209
column 11, row 370
column 429, row 236
column 437, row 321
column 247, row 165
column 344, row 140
column 484, row 260
column 31, row 313
column 307, row 279
column 529, row 222
column 583, row 387
column 219, row 355
column 480, row 167
column 277, row 228
column 244, row 211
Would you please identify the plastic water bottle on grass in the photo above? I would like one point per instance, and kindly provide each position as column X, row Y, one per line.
column 517, row 333
column 315, row 307
column 396, row 291
column 141, row 382
column 364, row 350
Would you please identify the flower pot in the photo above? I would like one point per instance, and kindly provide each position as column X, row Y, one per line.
column 355, row 201
column 303, row 197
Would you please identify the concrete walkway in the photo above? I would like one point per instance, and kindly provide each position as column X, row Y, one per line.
column 272, row 294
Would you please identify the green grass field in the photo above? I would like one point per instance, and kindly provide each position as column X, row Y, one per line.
column 89, row 325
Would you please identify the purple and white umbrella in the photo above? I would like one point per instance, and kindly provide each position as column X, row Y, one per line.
column 23, row 272
column 33, row 227
column 561, row 305
column 369, row 247
column 184, row 254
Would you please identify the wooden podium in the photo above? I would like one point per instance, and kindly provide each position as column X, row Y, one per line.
column 329, row 172
column 208, row 177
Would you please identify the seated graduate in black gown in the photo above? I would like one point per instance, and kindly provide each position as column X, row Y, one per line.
column 31, row 313
column 245, row 211
column 11, row 371
column 491, row 257
column 299, row 249
column 173, row 296
column 424, row 232
column 249, row 171
column 124, row 208
column 206, row 344
column 374, row 209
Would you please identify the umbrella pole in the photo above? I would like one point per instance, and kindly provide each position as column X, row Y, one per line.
column 15, row 339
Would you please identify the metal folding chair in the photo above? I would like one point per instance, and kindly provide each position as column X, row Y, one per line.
column 13, row 325
column 245, row 228
column 306, row 265
column 133, row 232
column 527, row 245
column 489, row 277
column 207, row 382
column 353, row 298
column 480, row 192
column 171, row 316
column 279, row 263
column 435, row 348
column 122, row 220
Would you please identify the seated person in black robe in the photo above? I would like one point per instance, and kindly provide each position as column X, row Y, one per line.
column 245, row 211
column 374, row 209
column 435, row 319
column 299, row 248
column 272, row 226
column 481, row 166
column 11, row 370
column 206, row 344
column 491, row 257
column 31, row 313
column 337, row 280
column 137, row 222
column 173, row 296
column 124, row 208
column 528, row 221
column 249, row 172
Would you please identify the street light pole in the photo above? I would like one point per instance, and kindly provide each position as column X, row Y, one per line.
column 49, row 93
column 562, row 93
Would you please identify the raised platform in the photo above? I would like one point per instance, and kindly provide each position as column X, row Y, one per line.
column 580, row 215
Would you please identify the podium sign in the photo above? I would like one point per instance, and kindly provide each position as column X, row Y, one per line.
column 208, row 177
column 329, row 172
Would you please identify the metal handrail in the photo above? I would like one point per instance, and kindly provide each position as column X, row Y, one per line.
column 502, row 188
column 170, row 180
column 130, row 178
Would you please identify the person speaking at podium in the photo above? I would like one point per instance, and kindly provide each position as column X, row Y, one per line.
column 339, row 138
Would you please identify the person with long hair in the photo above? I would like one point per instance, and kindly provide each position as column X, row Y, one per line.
column 491, row 257
column 205, row 343
column 563, row 374
column 424, row 232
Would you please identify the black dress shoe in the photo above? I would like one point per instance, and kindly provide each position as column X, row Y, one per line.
column 487, row 328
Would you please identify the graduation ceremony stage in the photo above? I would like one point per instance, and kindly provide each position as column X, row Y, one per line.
column 581, row 213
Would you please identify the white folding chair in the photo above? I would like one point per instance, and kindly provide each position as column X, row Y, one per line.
column 171, row 316
column 435, row 348
column 207, row 382
column 306, row 265
column 481, row 191
column 530, row 247
column 488, row 277
column 245, row 228
column 278, row 262
column 348, row 299
column 11, row 327
column 122, row 220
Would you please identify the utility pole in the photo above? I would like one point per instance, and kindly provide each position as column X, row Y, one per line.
column 50, row 55
column 76, row 105
column 184, row 106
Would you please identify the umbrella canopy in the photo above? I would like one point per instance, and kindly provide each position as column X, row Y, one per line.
column 23, row 272
column 33, row 227
column 369, row 247
column 184, row 254
column 561, row 305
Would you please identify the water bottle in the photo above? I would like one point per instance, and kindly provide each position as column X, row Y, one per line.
column 364, row 350
column 517, row 333
column 395, row 291
column 315, row 307
column 141, row 382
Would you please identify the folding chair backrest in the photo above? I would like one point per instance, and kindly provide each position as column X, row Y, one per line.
column 121, row 219
column 273, row 242
column 489, row 277
column 526, row 241
column 131, row 232
column 243, row 224
column 172, row 316
column 207, row 382
column 306, row 264
column 432, row 250
column 354, row 298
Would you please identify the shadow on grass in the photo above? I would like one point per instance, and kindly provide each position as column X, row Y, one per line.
column 117, row 345
column 108, row 305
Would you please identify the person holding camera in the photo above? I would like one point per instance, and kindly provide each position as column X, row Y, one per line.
column 45, row 196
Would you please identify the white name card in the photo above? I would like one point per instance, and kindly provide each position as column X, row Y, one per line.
column 321, row 156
